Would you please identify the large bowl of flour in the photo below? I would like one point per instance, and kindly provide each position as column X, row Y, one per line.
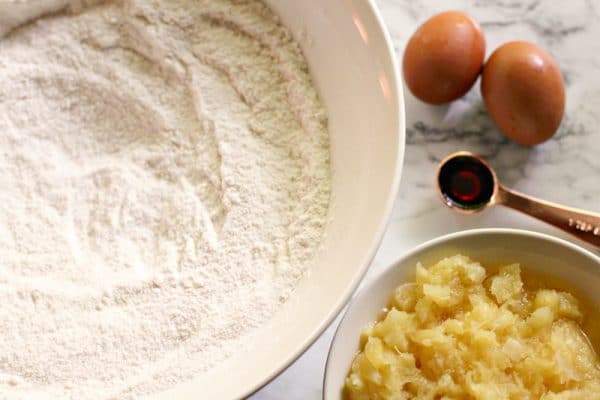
column 192, row 189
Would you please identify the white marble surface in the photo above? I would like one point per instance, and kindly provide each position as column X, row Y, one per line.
column 565, row 169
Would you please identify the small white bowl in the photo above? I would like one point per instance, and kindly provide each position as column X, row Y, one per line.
column 553, row 257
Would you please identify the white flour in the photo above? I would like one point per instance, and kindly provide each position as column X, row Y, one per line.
column 164, row 170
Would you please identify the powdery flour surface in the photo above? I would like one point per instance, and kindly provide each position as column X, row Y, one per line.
column 165, row 184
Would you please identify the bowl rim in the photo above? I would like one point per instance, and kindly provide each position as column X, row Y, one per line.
column 396, row 86
column 432, row 243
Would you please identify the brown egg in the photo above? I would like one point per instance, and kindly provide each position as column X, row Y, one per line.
column 444, row 57
column 524, row 92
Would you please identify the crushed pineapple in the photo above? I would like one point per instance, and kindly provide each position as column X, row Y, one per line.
column 457, row 334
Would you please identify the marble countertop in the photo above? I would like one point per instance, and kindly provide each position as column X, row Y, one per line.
column 565, row 169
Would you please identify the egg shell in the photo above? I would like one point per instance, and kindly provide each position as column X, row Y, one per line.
column 523, row 90
column 444, row 57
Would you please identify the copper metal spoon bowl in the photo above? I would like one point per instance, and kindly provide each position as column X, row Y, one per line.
column 468, row 184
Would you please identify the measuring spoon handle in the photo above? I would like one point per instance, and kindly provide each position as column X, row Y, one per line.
column 582, row 224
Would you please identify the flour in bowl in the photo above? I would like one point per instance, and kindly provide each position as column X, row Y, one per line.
column 165, row 184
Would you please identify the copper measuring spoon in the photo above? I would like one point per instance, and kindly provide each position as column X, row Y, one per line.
column 468, row 184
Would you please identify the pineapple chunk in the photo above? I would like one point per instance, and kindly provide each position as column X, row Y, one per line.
column 393, row 329
column 406, row 297
column 441, row 295
column 507, row 284
column 540, row 319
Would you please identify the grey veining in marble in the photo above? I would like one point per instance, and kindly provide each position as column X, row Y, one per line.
column 565, row 169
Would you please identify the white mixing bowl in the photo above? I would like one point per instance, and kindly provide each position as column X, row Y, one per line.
column 352, row 62
column 556, row 258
